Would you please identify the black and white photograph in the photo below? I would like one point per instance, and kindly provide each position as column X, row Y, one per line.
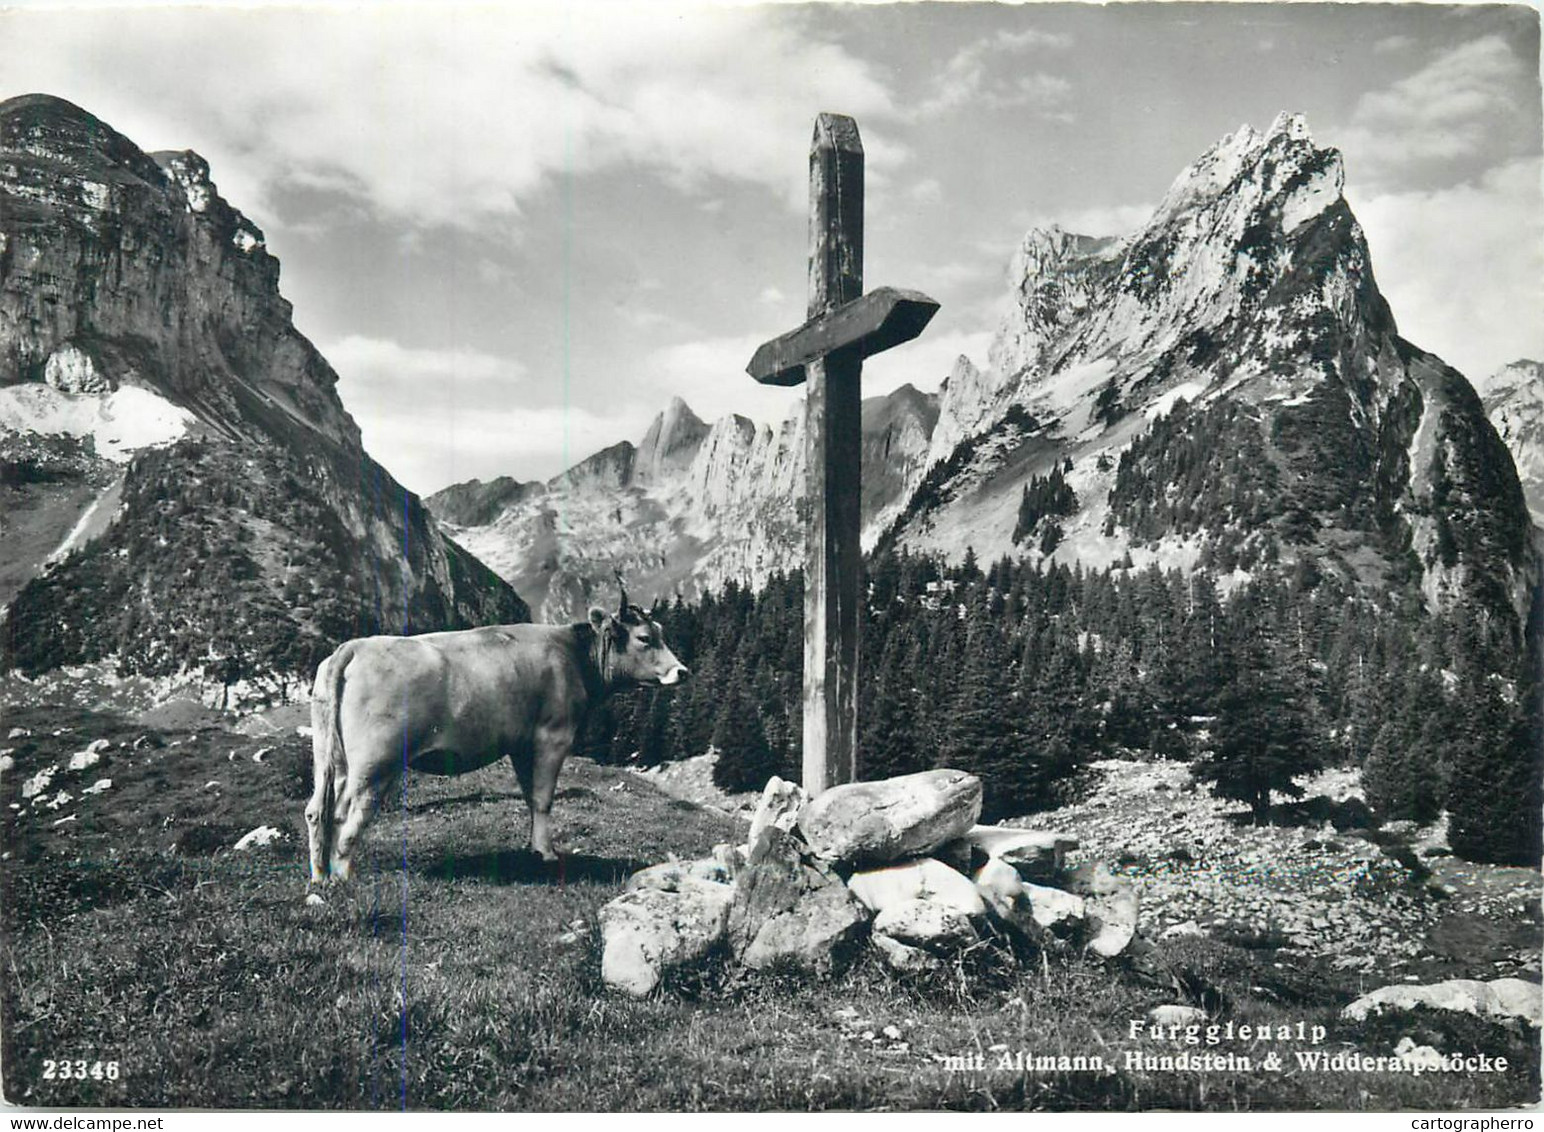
column 758, row 557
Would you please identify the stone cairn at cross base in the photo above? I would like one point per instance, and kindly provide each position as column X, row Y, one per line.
column 898, row 865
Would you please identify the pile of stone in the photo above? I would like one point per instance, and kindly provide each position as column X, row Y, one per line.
column 898, row 865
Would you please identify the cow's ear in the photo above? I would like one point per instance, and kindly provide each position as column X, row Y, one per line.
column 598, row 619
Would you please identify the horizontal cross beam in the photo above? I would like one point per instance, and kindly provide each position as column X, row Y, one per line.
column 883, row 318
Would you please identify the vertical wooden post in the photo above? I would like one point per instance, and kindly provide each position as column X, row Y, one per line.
column 844, row 327
column 833, row 464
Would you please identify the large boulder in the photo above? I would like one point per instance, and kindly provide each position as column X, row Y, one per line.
column 927, row 879
column 924, row 924
column 786, row 910
column 779, row 806
column 1036, row 854
column 894, row 818
column 649, row 932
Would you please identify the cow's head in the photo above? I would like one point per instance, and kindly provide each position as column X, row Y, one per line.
column 637, row 652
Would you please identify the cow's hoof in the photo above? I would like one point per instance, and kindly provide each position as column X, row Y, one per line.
column 547, row 858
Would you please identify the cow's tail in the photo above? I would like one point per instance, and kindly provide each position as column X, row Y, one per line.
column 329, row 761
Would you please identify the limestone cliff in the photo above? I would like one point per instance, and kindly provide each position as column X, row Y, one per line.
column 143, row 340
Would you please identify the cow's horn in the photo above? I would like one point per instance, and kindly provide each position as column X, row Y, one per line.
column 621, row 585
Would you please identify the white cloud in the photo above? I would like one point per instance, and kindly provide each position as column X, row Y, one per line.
column 436, row 417
column 1462, row 108
column 986, row 73
column 450, row 114
column 387, row 372
column 1463, row 267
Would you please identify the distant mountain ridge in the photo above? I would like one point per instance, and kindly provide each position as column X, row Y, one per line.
column 688, row 507
column 183, row 488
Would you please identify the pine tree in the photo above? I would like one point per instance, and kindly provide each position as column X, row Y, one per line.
column 745, row 758
column 1400, row 780
column 1494, row 797
column 979, row 733
column 1266, row 732
column 889, row 742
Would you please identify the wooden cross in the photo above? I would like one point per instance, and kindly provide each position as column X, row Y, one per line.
column 845, row 326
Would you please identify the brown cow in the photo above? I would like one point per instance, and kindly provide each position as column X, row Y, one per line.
column 448, row 703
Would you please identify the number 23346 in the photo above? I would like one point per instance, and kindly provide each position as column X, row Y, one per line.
column 82, row 1070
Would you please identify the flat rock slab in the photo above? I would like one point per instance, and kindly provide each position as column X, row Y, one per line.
column 1056, row 911
column 649, row 932
column 883, row 888
column 894, row 818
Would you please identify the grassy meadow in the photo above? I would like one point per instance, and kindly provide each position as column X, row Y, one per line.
column 458, row 973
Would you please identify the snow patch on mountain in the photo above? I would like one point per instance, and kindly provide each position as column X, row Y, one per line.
column 119, row 423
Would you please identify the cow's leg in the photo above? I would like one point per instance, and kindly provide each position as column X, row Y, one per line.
column 317, row 831
column 551, row 748
column 359, row 805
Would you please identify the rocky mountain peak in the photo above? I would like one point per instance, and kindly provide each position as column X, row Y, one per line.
column 52, row 128
column 671, row 443
column 1249, row 297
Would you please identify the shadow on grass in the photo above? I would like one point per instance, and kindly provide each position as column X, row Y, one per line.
column 521, row 866
column 476, row 798
column 1346, row 816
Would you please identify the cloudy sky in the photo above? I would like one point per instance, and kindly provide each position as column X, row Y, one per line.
column 516, row 231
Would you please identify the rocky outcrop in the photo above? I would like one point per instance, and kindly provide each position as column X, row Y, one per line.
column 133, row 266
column 793, row 907
column 670, row 445
column 475, row 503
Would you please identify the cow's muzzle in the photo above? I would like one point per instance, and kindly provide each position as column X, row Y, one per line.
column 675, row 676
